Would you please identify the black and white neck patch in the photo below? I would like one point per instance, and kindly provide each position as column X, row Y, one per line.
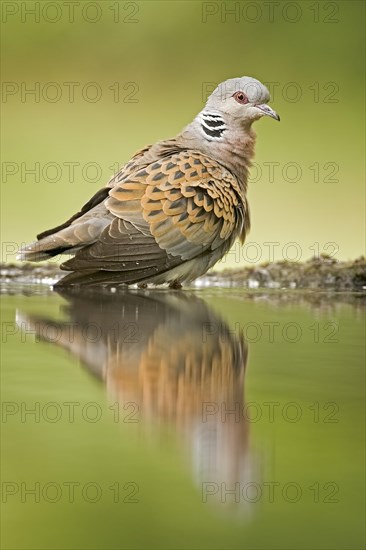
column 213, row 125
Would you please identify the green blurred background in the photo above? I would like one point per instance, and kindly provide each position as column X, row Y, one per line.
column 172, row 52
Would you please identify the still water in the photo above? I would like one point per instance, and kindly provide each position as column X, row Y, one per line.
column 182, row 419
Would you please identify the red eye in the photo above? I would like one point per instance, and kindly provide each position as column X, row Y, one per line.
column 240, row 97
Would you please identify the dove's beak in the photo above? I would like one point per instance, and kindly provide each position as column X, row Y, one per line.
column 266, row 110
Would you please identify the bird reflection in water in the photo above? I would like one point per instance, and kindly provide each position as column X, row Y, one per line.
column 176, row 360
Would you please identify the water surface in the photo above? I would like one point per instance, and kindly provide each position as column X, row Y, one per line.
column 182, row 419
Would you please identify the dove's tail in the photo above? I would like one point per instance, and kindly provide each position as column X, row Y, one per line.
column 65, row 241
column 80, row 230
column 45, row 249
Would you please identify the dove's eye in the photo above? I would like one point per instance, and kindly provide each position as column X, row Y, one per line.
column 240, row 97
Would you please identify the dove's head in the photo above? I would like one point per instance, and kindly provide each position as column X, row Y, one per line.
column 223, row 129
column 244, row 99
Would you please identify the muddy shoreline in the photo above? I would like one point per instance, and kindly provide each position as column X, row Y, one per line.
column 323, row 273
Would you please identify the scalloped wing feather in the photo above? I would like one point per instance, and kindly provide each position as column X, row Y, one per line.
column 188, row 202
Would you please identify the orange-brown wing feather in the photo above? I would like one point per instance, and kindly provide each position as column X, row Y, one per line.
column 188, row 202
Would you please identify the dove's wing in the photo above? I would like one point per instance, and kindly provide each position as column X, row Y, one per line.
column 188, row 202
column 174, row 210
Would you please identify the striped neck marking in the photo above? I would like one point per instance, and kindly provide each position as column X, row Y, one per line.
column 213, row 125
